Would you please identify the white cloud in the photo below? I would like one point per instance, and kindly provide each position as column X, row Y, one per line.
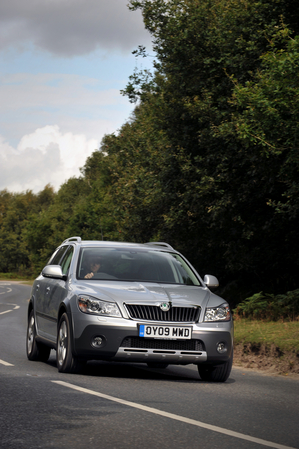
column 42, row 157
column 70, row 27
column 60, row 63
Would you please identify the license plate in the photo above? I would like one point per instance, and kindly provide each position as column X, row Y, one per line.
column 167, row 332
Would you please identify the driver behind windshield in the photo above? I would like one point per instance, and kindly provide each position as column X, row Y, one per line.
column 94, row 267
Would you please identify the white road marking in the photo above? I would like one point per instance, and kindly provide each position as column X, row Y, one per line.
column 5, row 363
column 7, row 291
column 16, row 307
column 175, row 417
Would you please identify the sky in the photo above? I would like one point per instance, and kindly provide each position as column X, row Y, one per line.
column 62, row 66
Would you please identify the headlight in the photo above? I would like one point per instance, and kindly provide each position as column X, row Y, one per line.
column 87, row 304
column 221, row 313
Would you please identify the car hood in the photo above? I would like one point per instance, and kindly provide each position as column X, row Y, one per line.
column 149, row 293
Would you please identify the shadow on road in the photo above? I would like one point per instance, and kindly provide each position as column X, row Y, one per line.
column 173, row 373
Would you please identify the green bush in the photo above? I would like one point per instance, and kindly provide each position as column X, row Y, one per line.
column 266, row 306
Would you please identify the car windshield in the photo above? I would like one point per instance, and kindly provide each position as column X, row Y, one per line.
column 127, row 264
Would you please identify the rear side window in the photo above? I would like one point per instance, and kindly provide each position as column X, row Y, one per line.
column 57, row 256
column 67, row 258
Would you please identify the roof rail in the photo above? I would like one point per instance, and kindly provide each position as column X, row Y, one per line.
column 166, row 245
column 72, row 239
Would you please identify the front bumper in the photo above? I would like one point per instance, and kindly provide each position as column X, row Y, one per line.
column 121, row 342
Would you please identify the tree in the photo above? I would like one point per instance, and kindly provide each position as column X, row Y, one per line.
column 54, row 221
column 222, row 187
column 15, row 211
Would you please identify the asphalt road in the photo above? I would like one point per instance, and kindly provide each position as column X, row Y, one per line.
column 131, row 406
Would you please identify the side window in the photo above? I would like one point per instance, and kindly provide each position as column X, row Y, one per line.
column 66, row 261
column 55, row 259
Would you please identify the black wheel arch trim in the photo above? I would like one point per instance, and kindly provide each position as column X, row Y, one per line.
column 66, row 308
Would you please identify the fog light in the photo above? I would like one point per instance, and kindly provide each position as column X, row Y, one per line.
column 221, row 347
column 97, row 342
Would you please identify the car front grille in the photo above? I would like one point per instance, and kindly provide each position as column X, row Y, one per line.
column 154, row 313
column 170, row 345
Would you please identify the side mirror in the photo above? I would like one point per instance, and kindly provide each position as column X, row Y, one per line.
column 53, row 271
column 211, row 281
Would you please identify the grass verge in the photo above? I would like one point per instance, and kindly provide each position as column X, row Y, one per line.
column 267, row 345
column 285, row 335
column 13, row 277
column 16, row 278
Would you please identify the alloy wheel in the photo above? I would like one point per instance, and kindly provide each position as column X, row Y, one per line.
column 62, row 343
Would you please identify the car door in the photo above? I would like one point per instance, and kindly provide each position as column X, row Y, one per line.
column 38, row 294
column 56, row 292
column 45, row 284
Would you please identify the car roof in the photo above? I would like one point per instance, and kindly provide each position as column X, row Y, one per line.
column 160, row 245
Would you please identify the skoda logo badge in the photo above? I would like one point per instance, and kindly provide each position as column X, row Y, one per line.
column 165, row 306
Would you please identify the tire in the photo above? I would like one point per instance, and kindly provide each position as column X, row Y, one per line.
column 36, row 351
column 157, row 365
column 66, row 361
column 220, row 373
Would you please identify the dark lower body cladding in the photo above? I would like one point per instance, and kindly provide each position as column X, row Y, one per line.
column 117, row 345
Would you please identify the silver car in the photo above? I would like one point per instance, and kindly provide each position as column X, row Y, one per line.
column 128, row 302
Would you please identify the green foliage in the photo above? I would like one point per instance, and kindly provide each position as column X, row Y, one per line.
column 140, row 85
column 267, row 116
column 136, row 158
column 227, row 191
column 64, row 217
column 266, row 306
column 15, row 212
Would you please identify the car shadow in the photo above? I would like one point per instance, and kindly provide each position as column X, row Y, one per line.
column 173, row 373
column 138, row 371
